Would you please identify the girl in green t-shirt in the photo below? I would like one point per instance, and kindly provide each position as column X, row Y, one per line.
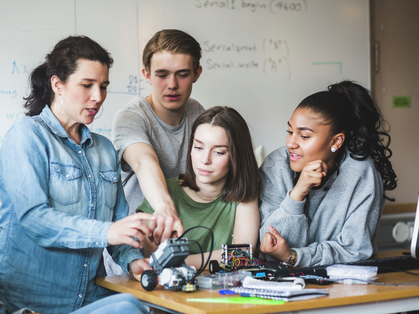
column 220, row 187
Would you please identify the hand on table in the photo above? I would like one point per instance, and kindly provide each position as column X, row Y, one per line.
column 273, row 244
column 138, row 267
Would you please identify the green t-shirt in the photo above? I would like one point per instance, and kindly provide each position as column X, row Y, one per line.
column 216, row 215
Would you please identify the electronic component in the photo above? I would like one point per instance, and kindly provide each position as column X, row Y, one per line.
column 169, row 267
column 234, row 257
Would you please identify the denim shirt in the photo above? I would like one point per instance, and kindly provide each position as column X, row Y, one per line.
column 58, row 200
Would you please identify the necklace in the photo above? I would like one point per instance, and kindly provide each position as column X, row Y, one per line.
column 206, row 199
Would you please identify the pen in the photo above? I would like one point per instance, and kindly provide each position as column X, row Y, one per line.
column 225, row 292
column 248, row 295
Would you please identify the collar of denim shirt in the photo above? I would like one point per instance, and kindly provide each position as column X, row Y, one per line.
column 52, row 122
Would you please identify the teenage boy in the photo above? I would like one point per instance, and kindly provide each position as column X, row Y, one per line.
column 151, row 134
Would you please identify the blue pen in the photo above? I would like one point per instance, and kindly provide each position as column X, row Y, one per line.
column 247, row 295
column 225, row 292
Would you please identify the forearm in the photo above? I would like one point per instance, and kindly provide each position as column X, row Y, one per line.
column 247, row 224
column 331, row 252
column 353, row 242
column 290, row 221
column 60, row 230
column 124, row 254
column 153, row 185
column 196, row 259
column 144, row 162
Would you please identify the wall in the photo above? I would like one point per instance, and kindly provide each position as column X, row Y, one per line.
column 395, row 28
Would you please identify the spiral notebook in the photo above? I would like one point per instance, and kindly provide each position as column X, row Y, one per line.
column 287, row 290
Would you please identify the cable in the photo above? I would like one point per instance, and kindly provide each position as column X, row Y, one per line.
column 240, row 258
column 202, row 268
column 202, row 255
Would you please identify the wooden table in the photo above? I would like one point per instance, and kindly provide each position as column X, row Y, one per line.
column 342, row 298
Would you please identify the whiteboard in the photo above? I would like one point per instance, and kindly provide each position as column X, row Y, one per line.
column 261, row 57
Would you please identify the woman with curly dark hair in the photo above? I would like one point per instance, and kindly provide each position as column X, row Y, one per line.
column 323, row 193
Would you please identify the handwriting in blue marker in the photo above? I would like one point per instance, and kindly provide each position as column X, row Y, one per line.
column 8, row 92
column 14, row 116
column 134, row 85
column 19, row 69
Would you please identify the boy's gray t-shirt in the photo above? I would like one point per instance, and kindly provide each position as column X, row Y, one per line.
column 137, row 122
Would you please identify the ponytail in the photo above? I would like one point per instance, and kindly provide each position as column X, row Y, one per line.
column 349, row 108
column 368, row 137
column 41, row 91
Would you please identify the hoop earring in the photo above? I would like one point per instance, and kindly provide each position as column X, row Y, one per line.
column 333, row 149
column 101, row 107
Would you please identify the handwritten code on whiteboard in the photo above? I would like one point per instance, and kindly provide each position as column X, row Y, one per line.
column 261, row 57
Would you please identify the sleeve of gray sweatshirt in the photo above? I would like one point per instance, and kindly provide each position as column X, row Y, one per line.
column 336, row 224
column 277, row 208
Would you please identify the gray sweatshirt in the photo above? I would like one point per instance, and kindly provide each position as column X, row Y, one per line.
column 333, row 224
